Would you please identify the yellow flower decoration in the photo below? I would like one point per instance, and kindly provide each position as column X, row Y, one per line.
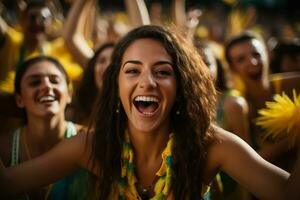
column 281, row 118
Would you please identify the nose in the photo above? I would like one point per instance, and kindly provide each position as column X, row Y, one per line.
column 147, row 80
column 46, row 83
column 253, row 61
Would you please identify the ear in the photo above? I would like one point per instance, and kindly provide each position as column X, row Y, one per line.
column 70, row 91
column 19, row 101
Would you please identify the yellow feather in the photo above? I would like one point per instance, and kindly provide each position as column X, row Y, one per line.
column 281, row 117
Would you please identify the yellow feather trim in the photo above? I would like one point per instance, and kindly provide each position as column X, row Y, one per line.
column 281, row 117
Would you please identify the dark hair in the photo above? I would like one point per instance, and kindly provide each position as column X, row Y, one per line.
column 220, row 82
column 28, row 63
column 22, row 69
column 284, row 49
column 192, row 128
column 241, row 38
column 87, row 90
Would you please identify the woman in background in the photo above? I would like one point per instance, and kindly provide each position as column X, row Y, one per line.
column 42, row 92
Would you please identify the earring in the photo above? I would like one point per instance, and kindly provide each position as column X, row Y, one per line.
column 118, row 108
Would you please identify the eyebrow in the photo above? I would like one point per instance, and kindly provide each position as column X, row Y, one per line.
column 33, row 76
column 156, row 63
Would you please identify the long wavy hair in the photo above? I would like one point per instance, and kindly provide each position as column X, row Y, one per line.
column 192, row 128
column 87, row 90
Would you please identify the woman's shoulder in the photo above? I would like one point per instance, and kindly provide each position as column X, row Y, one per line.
column 224, row 149
column 223, row 139
column 234, row 103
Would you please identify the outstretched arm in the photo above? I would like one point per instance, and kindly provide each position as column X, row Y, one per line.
column 73, row 33
column 138, row 13
column 53, row 165
column 260, row 177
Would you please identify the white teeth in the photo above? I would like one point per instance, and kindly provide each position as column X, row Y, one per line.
column 46, row 99
column 146, row 99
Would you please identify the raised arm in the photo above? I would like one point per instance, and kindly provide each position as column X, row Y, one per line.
column 178, row 13
column 73, row 33
column 242, row 163
column 60, row 161
column 186, row 21
column 3, row 29
column 137, row 12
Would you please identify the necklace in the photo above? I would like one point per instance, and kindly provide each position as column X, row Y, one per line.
column 145, row 192
column 29, row 157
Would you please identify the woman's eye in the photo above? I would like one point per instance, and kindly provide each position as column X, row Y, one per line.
column 54, row 79
column 132, row 71
column 163, row 73
column 35, row 82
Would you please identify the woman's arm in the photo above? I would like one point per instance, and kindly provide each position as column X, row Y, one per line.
column 186, row 21
column 178, row 13
column 74, row 29
column 53, row 165
column 3, row 30
column 243, row 164
column 137, row 12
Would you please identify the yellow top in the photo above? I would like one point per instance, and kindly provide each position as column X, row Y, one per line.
column 11, row 51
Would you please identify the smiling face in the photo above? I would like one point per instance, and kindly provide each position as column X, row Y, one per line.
column 147, row 85
column 36, row 20
column 249, row 60
column 44, row 91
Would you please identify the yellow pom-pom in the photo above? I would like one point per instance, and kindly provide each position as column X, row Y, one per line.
column 281, row 118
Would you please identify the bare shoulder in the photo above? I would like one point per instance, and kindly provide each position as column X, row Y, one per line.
column 80, row 146
column 219, row 143
column 224, row 140
column 235, row 104
column 225, row 146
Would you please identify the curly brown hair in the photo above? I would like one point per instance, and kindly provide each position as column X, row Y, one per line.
column 192, row 128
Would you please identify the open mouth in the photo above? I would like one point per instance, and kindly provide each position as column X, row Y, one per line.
column 146, row 105
column 256, row 75
column 46, row 99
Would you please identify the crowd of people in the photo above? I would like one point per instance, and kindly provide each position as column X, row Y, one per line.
column 137, row 105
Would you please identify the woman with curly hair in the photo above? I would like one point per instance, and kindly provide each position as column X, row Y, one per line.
column 154, row 135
